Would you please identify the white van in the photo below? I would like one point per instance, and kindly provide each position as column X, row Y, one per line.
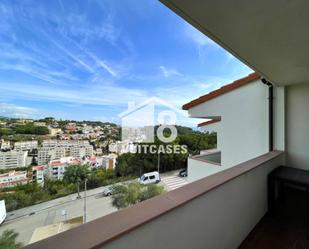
column 151, row 177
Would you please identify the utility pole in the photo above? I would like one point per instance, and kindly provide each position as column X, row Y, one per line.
column 85, row 202
column 158, row 162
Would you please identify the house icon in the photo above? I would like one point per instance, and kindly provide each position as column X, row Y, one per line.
column 138, row 121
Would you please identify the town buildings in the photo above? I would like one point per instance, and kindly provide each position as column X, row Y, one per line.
column 26, row 145
column 13, row 159
column 56, row 168
column 38, row 174
column 13, row 178
column 55, row 149
column 5, row 145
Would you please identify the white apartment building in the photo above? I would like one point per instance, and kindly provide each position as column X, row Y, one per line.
column 5, row 145
column 38, row 123
column 38, row 174
column 120, row 147
column 80, row 152
column 235, row 123
column 46, row 154
column 25, row 145
column 54, row 131
column 64, row 143
column 55, row 149
column 13, row 159
column 13, row 178
column 56, row 168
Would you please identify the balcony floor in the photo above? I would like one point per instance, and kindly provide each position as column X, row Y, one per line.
column 287, row 229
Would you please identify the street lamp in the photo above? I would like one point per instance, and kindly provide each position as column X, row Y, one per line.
column 158, row 162
column 85, row 202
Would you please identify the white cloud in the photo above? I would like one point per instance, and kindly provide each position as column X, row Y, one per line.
column 96, row 94
column 15, row 110
column 197, row 37
column 169, row 72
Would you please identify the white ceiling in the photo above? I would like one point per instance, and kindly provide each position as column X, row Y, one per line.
column 272, row 37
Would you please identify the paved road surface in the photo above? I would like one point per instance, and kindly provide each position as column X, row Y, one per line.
column 25, row 220
column 174, row 181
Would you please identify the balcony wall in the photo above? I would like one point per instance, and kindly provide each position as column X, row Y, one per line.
column 216, row 212
column 204, row 165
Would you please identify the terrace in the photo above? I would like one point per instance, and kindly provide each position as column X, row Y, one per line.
column 228, row 209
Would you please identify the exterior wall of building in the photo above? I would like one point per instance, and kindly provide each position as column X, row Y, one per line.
column 242, row 133
column 13, row 159
column 297, row 126
column 38, row 174
column 218, row 219
column 13, row 178
column 25, row 145
column 198, row 169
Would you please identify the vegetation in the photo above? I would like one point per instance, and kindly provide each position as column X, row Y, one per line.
column 8, row 240
column 30, row 129
column 32, row 193
column 135, row 164
column 128, row 195
column 76, row 174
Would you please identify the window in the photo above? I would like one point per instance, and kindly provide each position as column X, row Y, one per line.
column 151, row 177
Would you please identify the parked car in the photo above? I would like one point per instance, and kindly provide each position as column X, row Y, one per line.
column 148, row 178
column 183, row 173
column 108, row 191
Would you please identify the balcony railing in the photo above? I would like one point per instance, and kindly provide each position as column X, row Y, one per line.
column 215, row 212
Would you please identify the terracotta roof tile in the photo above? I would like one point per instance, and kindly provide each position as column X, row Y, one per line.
column 222, row 90
column 208, row 122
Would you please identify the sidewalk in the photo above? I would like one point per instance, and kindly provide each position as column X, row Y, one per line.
column 49, row 204
column 62, row 200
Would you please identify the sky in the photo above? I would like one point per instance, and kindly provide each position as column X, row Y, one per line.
column 86, row 59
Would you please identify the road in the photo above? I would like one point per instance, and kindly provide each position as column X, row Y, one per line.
column 26, row 220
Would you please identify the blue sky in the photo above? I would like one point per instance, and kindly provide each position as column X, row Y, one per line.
column 85, row 60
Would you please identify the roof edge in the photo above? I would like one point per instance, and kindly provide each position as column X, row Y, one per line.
column 208, row 122
column 224, row 89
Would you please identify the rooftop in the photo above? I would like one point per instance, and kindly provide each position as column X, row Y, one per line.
column 225, row 89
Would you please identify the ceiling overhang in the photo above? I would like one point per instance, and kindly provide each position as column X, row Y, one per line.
column 271, row 37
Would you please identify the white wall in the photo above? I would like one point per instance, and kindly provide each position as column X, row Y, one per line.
column 279, row 118
column 219, row 219
column 297, row 126
column 243, row 129
column 198, row 169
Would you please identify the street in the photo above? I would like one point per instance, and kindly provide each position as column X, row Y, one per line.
column 26, row 220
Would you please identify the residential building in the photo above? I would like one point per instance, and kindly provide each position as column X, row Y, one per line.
column 229, row 209
column 249, row 130
column 13, row 178
column 120, row 147
column 26, row 145
column 13, row 159
column 56, row 168
column 46, row 154
column 54, row 131
column 38, row 174
column 38, row 123
column 5, row 145
column 55, row 149
column 109, row 161
column 71, row 127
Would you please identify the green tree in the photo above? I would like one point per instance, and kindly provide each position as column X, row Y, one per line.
column 8, row 240
column 128, row 195
column 76, row 174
